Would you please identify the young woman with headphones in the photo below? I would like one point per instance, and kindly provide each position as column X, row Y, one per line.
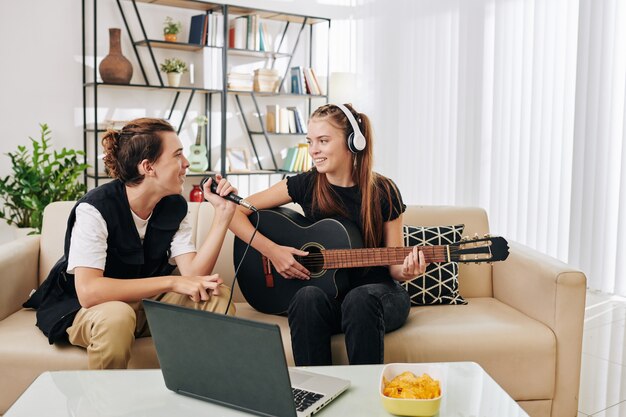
column 341, row 183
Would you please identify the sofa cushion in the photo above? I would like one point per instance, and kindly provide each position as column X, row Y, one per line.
column 517, row 351
column 440, row 283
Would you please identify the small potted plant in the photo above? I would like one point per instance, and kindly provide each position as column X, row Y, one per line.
column 171, row 29
column 40, row 176
column 174, row 69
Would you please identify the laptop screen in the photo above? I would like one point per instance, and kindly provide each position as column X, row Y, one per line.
column 226, row 360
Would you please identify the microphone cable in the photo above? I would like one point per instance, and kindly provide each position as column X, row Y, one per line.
column 242, row 202
column 232, row 287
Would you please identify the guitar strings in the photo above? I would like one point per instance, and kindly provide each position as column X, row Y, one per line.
column 342, row 256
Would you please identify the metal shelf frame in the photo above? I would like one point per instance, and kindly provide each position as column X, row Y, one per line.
column 186, row 95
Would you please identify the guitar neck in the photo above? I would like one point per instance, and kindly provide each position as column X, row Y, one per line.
column 199, row 135
column 354, row 258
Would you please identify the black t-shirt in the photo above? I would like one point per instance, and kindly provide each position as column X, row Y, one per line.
column 300, row 189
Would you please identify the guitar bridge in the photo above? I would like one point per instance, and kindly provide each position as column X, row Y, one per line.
column 267, row 271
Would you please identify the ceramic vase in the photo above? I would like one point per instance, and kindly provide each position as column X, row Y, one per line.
column 173, row 78
column 115, row 68
column 196, row 194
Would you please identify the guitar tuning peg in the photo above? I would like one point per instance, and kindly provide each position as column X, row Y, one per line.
column 475, row 235
column 464, row 238
column 486, row 235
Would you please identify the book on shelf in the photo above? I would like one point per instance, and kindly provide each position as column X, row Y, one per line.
column 206, row 29
column 215, row 30
column 210, row 72
column 297, row 80
column 197, row 28
column 238, row 32
column 248, row 32
column 283, row 121
column 311, row 82
column 272, row 118
column 304, row 81
column 266, row 80
column 302, row 160
column 299, row 120
column 289, row 158
column 240, row 81
column 315, row 80
column 292, row 121
column 298, row 162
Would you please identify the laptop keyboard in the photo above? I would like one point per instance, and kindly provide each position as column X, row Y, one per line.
column 304, row 399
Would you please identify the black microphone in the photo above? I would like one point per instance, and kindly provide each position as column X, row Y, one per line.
column 232, row 197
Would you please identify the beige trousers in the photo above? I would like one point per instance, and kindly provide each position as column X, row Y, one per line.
column 108, row 330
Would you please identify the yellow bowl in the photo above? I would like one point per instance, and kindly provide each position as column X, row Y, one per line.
column 410, row 407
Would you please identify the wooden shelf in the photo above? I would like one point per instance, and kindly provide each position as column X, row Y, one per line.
column 181, row 46
column 264, row 93
column 154, row 87
column 185, row 4
column 257, row 54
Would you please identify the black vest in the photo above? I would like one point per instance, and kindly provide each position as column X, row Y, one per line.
column 56, row 300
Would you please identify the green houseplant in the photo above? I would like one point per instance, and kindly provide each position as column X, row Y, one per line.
column 40, row 176
column 174, row 68
column 171, row 29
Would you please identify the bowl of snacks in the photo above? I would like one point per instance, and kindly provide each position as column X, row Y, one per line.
column 412, row 389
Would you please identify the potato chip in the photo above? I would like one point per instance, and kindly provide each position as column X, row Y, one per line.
column 407, row 385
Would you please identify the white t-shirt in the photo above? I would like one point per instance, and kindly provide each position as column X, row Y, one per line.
column 88, row 245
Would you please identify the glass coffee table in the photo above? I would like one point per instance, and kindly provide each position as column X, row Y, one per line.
column 470, row 391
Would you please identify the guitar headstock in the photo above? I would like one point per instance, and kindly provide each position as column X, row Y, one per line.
column 480, row 249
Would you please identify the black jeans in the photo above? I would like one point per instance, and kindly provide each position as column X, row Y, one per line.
column 365, row 315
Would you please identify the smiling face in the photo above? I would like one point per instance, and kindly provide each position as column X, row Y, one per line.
column 330, row 153
column 171, row 167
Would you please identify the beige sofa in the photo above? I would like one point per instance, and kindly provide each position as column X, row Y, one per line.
column 523, row 323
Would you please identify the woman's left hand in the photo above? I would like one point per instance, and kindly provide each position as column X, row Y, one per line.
column 414, row 264
column 223, row 189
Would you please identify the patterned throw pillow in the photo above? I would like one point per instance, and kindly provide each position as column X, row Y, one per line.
column 440, row 283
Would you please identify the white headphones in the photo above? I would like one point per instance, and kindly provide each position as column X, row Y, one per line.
column 356, row 140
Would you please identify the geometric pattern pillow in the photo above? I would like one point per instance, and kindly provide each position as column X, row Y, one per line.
column 440, row 282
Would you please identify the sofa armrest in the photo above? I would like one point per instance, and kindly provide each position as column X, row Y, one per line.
column 19, row 263
column 553, row 293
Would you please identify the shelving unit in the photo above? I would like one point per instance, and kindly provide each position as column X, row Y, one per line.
column 184, row 96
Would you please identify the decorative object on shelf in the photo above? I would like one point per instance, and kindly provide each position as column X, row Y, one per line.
column 238, row 159
column 115, row 68
column 174, row 68
column 198, row 161
column 266, row 80
column 196, row 195
column 171, row 29
column 39, row 177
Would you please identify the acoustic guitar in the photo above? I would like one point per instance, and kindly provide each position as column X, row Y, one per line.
column 198, row 161
column 333, row 245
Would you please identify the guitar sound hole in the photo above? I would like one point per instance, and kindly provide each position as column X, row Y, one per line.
column 313, row 261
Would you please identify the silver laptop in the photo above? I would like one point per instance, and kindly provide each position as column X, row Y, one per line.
column 234, row 362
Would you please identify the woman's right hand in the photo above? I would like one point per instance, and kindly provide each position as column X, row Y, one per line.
column 198, row 288
column 286, row 265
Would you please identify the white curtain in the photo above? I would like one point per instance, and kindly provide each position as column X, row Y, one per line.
column 516, row 106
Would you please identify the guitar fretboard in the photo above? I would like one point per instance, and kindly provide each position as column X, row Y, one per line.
column 354, row 258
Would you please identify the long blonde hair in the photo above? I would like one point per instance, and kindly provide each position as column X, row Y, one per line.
column 373, row 187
